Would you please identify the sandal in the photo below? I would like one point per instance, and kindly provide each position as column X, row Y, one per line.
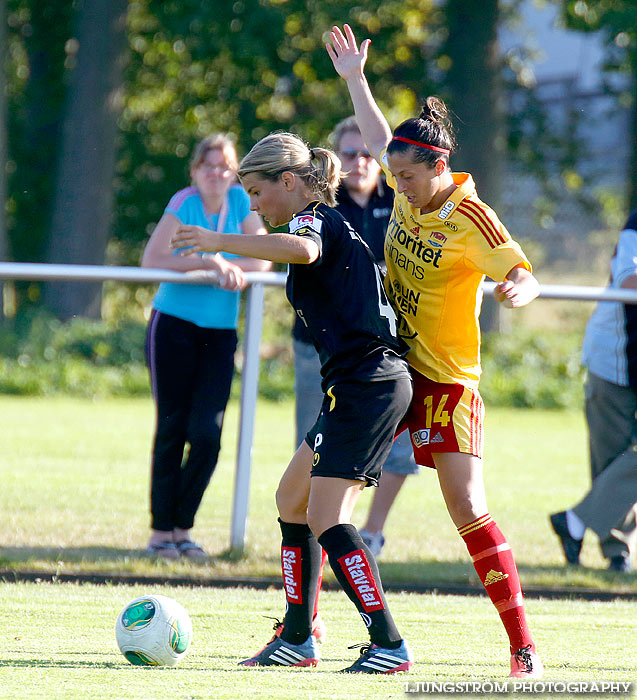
column 166, row 550
column 190, row 549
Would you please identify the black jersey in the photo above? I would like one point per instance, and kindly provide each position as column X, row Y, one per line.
column 341, row 300
column 370, row 222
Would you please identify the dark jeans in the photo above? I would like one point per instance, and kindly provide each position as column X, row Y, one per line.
column 191, row 372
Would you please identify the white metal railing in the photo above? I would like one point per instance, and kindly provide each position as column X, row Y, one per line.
column 252, row 340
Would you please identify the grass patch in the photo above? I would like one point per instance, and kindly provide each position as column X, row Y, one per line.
column 75, row 486
column 59, row 643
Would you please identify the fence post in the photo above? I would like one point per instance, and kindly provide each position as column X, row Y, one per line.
column 249, row 392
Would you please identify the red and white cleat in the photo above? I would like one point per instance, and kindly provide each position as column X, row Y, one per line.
column 525, row 663
column 280, row 653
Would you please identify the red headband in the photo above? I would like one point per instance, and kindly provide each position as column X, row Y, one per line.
column 446, row 151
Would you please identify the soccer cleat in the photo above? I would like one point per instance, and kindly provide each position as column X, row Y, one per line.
column 375, row 659
column 374, row 541
column 526, row 664
column 280, row 653
column 570, row 545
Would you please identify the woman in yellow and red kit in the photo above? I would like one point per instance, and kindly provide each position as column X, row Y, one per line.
column 441, row 241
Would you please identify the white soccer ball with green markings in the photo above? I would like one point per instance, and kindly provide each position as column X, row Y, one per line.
column 154, row 631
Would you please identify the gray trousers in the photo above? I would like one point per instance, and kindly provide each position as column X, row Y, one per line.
column 610, row 507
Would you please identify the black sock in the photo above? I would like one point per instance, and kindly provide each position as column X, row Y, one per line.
column 356, row 570
column 301, row 565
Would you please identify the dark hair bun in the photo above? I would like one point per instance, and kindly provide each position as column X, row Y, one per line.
column 434, row 110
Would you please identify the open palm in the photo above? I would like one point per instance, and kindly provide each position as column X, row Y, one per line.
column 346, row 57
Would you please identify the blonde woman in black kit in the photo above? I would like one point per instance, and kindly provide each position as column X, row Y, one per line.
column 336, row 289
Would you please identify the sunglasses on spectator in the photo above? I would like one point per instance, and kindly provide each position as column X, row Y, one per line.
column 350, row 154
column 214, row 168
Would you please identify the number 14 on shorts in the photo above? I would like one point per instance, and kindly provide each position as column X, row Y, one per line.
column 436, row 414
column 445, row 418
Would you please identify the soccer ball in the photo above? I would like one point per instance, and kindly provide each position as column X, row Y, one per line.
column 154, row 631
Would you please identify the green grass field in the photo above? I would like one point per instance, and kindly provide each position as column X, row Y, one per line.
column 74, row 496
column 58, row 643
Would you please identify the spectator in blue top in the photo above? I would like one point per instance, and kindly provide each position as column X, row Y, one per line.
column 609, row 508
column 190, row 344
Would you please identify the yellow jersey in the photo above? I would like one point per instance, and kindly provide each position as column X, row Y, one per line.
column 436, row 263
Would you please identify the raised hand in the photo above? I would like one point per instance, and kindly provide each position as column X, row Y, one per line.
column 348, row 60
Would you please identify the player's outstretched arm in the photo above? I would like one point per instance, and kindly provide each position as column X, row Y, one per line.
column 277, row 247
column 349, row 63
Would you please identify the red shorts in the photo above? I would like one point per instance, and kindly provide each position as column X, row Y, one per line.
column 444, row 418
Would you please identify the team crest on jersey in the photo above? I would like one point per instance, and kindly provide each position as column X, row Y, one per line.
column 437, row 239
column 305, row 224
column 421, row 437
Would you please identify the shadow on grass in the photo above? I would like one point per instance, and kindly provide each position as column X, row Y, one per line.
column 108, row 555
column 462, row 573
column 121, row 564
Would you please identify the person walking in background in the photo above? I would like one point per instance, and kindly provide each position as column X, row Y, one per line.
column 366, row 202
column 336, row 288
column 610, row 355
column 190, row 344
column 441, row 242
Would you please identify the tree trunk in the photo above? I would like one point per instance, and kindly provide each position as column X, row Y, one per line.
column 82, row 210
column 475, row 85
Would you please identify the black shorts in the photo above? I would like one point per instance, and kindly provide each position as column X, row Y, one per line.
column 354, row 432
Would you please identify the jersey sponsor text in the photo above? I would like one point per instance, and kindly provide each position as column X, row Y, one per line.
column 405, row 299
column 421, row 437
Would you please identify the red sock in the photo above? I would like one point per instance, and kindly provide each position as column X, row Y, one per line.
column 495, row 565
column 320, row 582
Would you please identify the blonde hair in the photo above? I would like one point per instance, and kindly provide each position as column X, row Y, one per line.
column 215, row 142
column 318, row 168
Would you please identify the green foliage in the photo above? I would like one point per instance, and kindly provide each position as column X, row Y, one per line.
column 617, row 19
column 532, row 368
column 199, row 67
column 43, row 356
column 193, row 68
column 40, row 355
